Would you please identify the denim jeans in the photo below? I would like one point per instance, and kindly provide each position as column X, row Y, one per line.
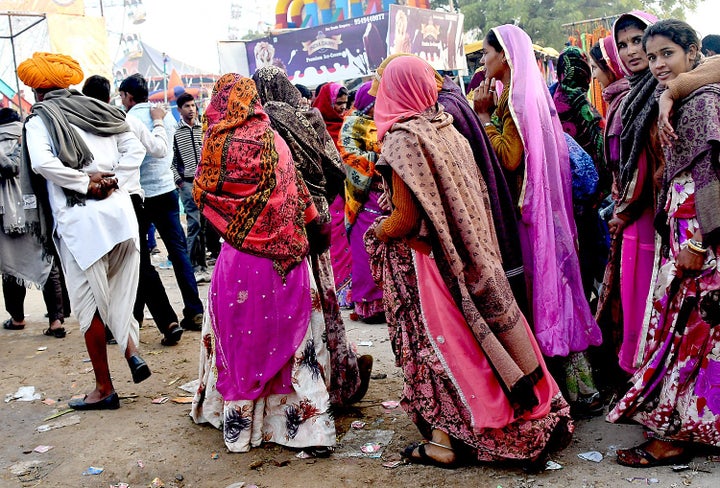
column 195, row 245
column 151, row 241
column 151, row 290
column 164, row 211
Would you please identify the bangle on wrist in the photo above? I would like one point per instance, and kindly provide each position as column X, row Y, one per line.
column 697, row 243
column 692, row 246
column 488, row 124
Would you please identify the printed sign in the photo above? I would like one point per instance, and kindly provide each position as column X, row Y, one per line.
column 342, row 50
column 434, row 36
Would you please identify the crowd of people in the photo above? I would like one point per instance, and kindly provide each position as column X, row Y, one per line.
column 533, row 260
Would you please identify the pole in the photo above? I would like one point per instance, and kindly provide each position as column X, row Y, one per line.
column 165, row 60
column 17, row 80
column 102, row 12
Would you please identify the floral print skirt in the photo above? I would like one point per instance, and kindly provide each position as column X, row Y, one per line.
column 676, row 392
column 431, row 395
column 298, row 419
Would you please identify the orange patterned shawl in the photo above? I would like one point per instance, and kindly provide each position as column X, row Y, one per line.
column 246, row 184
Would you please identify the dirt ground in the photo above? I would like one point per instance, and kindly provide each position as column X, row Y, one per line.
column 147, row 444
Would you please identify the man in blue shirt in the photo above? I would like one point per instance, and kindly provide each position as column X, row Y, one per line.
column 161, row 203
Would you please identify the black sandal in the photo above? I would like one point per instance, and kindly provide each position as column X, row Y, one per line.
column 172, row 337
column 9, row 325
column 58, row 333
column 424, row 459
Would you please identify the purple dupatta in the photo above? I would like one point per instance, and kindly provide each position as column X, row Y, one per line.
column 562, row 319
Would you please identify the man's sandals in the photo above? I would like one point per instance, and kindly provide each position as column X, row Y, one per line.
column 423, row 458
column 639, row 457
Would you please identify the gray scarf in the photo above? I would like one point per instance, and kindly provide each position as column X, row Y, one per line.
column 58, row 111
column 11, row 196
column 21, row 250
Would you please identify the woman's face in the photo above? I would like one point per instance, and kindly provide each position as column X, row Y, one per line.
column 629, row 44
column 341, row 103
column 601, row 76
column 493, row 61
column 668, row 59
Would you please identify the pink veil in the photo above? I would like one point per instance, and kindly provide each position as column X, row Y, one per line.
column 562, row 319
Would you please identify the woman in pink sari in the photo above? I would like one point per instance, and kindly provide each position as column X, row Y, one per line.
column 475, row 380
column 526, row 133
column 263, row 362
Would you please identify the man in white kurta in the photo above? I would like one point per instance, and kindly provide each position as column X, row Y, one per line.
column 95, row 228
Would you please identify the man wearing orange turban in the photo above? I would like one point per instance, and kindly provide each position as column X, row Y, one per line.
column 91, row 163
column 48, row 70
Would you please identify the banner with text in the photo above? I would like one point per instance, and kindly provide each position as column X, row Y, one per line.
column 342, row 50
column 434, row 36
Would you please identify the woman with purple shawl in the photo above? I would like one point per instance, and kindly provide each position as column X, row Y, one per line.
column 675, row 393
column 360, row 149
column 527, row 136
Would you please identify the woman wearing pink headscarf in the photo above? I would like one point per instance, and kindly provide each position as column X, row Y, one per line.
column 526, row 133
column 475, row 379
column 606, row 68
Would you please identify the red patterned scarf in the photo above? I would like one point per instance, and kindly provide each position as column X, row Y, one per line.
column 246, row 184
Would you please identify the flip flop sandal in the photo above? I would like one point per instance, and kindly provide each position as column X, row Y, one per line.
column 58, row 333
column 639, row 453
column 8, row 324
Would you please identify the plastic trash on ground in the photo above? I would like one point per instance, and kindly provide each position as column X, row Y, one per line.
column 93, row 470
column 363, row 443
column 593, row 456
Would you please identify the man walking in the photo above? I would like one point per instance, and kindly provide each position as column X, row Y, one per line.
column 89, row 159
column 161, row 201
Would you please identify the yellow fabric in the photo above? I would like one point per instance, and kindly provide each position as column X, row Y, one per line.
column 49, row 70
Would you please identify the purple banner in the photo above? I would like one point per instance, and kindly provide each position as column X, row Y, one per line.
column 342, row 50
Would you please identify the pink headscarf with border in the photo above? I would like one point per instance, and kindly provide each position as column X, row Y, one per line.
column 562, row 319
column 610, row 55
column 409, row 96
column 643, row 17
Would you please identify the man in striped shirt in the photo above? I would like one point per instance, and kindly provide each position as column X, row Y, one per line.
column 187, row 146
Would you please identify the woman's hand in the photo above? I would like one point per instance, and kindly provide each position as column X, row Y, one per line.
column 689, row 262
column 378, row 229
column 484, row 99
column 616, row 226
column 384, row 202
column 665, row 130
column 101, row 185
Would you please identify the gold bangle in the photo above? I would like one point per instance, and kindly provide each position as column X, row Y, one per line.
column 692, row 247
